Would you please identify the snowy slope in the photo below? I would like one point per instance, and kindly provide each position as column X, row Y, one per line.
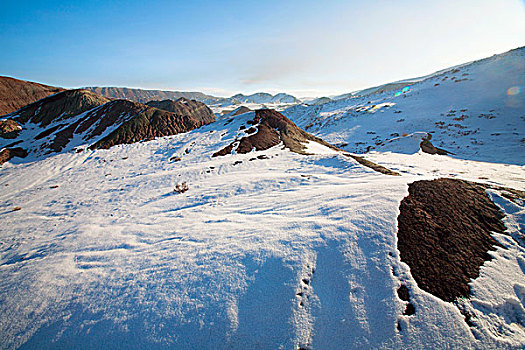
column 266, row 250
column 475, row 111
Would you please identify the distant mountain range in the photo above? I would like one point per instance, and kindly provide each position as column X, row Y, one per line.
column 143, row 96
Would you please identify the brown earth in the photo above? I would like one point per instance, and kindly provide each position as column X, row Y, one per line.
column 15, row 94
column 444, row 234
column 58, row 115
column 374, row 166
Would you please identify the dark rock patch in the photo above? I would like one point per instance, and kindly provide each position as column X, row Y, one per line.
column 149, row 123
column 273, row 128
column 184, row 106
column 374, row 166
column 49, row 131
column 428, row 147
column 9, row 129
column 444, row 234
column 251, row 130
column 8, row 153
column 241, row 110
column 402, row 293
column 410, row 310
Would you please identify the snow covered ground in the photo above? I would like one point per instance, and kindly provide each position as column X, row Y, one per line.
column 476, row 111
column 286, row 252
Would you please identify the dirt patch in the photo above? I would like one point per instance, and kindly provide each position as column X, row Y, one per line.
column 184, row 106
column 444, row 234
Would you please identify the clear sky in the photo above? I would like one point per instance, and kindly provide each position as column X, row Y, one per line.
column 304, row 47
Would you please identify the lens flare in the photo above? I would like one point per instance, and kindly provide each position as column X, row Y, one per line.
column 515, row 90
column 405, row 89
column 397, row 93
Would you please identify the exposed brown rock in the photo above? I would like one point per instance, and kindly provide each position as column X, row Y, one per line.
column 428, row 147
column 15, row 94
column 272, row 128
column 444, row 234
column 8, row 153
column 184, row 106
column 9, row 129
column 374, row 166
column 147, row 124
column 241, row 110
column 60, row 106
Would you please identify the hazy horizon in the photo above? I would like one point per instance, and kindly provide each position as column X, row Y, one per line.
column 303, row 48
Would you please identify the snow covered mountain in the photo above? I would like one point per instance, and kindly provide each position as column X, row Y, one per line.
column 250, row 232
column 475, row 111
column 72, row 118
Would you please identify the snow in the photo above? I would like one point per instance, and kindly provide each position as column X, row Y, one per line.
column 467, row 110
column 276, row 252
column 313, row 147
column 124, row 261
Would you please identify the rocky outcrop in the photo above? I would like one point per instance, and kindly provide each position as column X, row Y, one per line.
column 444, row 234
column 15, row 94
column 151, row 122
column 240, row 110
column 60, row 106
column 270, row 129
column 428, row 147
column 8, row 153
column 9, row 129
column 184, row 106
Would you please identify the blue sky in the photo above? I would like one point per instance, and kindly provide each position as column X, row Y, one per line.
column 307, row 48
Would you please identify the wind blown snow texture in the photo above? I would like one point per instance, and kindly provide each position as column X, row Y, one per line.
column 285, row 252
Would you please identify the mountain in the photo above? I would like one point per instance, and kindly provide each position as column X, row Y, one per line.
column 73, row 118
column 251, row 232
column 262, row 97
column 143, row 96
column 474, row 111
column 15, row 94
column 184, row 106
column 269, row 128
